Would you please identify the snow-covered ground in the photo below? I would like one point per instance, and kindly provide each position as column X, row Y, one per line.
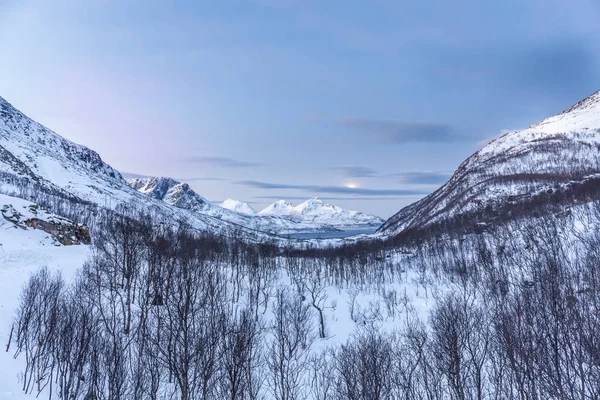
column 22, row 252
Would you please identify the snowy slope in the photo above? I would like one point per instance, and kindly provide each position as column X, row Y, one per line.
column 555, row 160
column 316, row 211
column 49, row 165
column 238, row 206
column 30, row 150
column 23, row 252
column 180, row 195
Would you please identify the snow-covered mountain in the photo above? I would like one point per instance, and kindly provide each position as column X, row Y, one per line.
column 171, row 192
column 553, row 162
column 180, row 195
column 316, row 211
column 36, row 163
column 238, row 206
column 280, row 208
column 31, row 151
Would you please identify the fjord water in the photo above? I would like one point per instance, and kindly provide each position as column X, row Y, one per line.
column 342, row 233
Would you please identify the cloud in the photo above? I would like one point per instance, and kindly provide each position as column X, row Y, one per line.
column 398, row 131
column 421, row 177
column 132, row 175
column 356, row 172
column 197, row 179
column 222, row 162
column 406, row 177
column 266, row 185
column 332, row 189
column 337, row 198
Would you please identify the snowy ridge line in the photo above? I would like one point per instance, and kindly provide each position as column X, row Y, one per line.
column 513, row 171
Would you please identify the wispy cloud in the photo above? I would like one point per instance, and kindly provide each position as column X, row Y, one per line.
column 406, row 177
column 332, row 189
column 132, row 175
column 398, row 131
column 267, row 185
column 198, row 179
column 223, row 162
column 356, row 172
column 421, row 177
column 338, row 198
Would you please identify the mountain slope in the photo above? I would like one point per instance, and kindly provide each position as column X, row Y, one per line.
column 555, row 161
column 38, row 164
column 29, row 150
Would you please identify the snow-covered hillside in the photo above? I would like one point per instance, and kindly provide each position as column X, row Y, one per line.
column 238, row 206
column 24, row 251
column 316, row 211
column 553, row 161
column 30, row 150
column 36, row 162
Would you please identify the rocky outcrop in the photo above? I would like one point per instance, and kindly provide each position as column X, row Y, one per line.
column 64, row 231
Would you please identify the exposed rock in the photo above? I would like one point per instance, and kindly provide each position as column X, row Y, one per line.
column 64, row 231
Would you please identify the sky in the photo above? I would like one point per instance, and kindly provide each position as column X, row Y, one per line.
column 369, row 105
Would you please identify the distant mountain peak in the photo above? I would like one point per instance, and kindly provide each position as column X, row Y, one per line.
column 315, row 200
column 316, row 211
column 238, row 206
column 314, row 204
column 280, row 208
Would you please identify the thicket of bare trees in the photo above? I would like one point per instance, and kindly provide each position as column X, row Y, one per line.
column 162, row 313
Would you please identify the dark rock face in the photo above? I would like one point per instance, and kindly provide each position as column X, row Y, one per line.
column 65, row 234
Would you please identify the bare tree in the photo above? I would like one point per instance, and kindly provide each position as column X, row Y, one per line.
column 291, row 338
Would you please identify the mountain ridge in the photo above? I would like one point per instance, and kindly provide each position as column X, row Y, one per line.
column 315, row 210
column 516, row 170
column 181, row 195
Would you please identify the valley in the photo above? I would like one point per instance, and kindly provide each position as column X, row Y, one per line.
column 472, row 292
